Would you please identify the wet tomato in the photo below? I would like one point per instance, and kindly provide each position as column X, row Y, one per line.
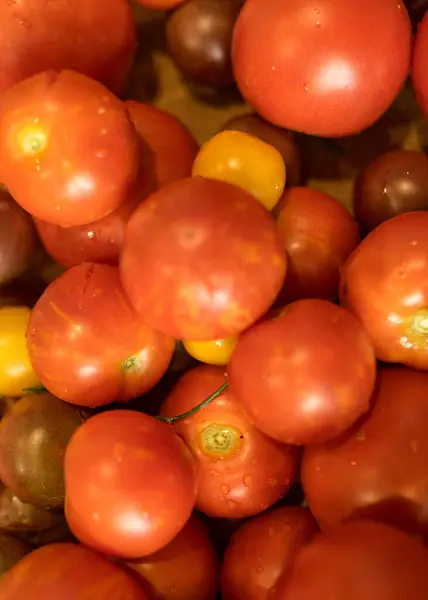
column 186, row 569
column 384, row 284
column 18, row 516
column 87, row 344
column 318, row 235
column 69, row 572
column 240, row 471
column 202, row 259
column 214, row 352
column 420, row 58
column 69, row 153
column 131, row 484
column 287, row 374
column 324, row 88
column 12, row 550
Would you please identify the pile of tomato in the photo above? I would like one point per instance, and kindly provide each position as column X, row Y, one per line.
column 213, row 377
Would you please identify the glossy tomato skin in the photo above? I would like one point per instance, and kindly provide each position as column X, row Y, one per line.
column 420, row 57
column 69, row 572
column 384, row 284
column 306, row 375
column 131, row 484
column 88, row 345
column 312, row 74
column 240, row 471
column 192, row 254
column 262, row 550
column 186, row 569
column 69, row 153
column 318, row 234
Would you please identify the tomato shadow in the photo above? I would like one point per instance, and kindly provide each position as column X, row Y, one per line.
column 216, row 96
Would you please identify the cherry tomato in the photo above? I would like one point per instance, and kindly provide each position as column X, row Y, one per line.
column 17, row 516
column 245, row 161
column 384, row 284
column 305, row 376
column 12, row 551
column 312, row 73
column 68, row 150
column 131, row 484
column 69, row 572
column 420, row 58
column 262, row 550
column 240, row 471
column 318, row 234
column 186, row 569
column 88, row 345
column 214, row 352
column 192, row 254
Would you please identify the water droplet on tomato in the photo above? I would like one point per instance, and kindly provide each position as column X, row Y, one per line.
column 248, row 480
column 273, row 482
column 260, row 570
column 306, row 88
column 318, row 24
column 225, row 489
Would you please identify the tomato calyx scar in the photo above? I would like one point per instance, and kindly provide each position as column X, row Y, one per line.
column 220, row 441
column 419, row 323
column 195, row 409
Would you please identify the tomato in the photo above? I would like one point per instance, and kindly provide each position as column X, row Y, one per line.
column 240, row 471
column 69, row 572
column 214, row 352
column 186, row 569
column 69, row 153
column 318, row 235
column 18, row 516
column 358, row 561
column 12, row 551
column 33, row 436
column 136, row 491
column 305, row 376
column 384, row 284
column 192, row 254
column 87, row 344
column 312, row 75
column 420, row 57
column 262, row 550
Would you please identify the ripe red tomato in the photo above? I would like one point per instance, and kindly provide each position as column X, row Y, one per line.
column 317, row 72
column 202, row 259
column 69, row 572
column 384, row 284
column 131, row 484
column 318, row 234
column 186, row 569
column 262, row 550
column 240, row 471
column 420, row 59
column 69, row 153
column 86, row 343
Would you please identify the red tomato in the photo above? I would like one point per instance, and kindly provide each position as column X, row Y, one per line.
column 318, row 234
column 186, row 569
column 131, row 484
column 240, row 471
column 317, row 72
column 262, row 550
column 202, row 259
column 420, row 60
column 358, row 561
column 384, row 284
column 305, row 376
column 69, row 572
column 86, row 343
column 69, row 153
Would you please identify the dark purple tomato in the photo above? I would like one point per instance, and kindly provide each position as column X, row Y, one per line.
column 18, row 516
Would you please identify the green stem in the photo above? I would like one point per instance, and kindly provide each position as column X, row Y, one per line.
column 195, row 409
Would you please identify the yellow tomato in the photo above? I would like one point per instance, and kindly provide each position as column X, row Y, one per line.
column 247, row 162
column 16, row 372
column 214, row 352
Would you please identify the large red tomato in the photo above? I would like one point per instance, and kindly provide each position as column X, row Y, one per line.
column 131, row 484
column 87, row 344
column 69, row 153
column 419, row 66
column 69, row 572
column 240, row 471
column 306, row 375
column 323, row 67
column 202, row 259
column 384, row 284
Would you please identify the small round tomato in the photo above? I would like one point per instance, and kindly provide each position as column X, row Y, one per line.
column 186, row 569
column 18, row 516
column 131, row 484
column 305, row 376
column 69, row 153
column 87, row 344
column 240, row 471
column 69, row 572
column 16, row 371
column 12, row 550
column 384, row 284
column 192, row 254
column 214, row 352
column 245, row 161
column 420, row 59
column 303, row 64
column 318, row 235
